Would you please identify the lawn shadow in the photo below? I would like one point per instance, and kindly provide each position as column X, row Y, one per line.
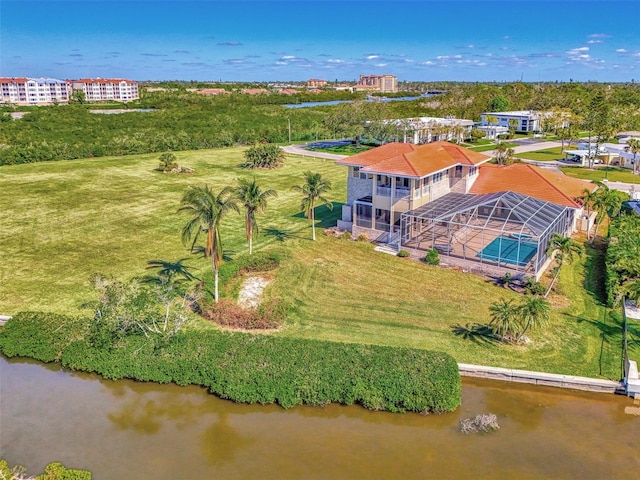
column 610, row 327
column 476, row 332
column 279, row 234
column 325, row 218
column 595, row 269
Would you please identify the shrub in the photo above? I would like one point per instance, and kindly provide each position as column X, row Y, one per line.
column 432, row 257
column 265, row 368
column 267, row 155
column 168, row 162
column 53, row 471
column 403, row 254
column 346, row 235
column 227, row 313
column 363, row 237
column 532, row 287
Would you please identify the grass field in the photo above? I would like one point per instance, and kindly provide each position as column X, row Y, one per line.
column 63, row 221
column 599, row 173
column 546, row 155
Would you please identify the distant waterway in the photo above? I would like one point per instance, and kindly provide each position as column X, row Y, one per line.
column 122, row 110
column 369, row 99
column 127, row 429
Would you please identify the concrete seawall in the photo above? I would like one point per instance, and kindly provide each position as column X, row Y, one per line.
column 540, row 378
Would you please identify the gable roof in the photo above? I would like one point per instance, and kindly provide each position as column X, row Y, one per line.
column 417, row 161
column 533, row 181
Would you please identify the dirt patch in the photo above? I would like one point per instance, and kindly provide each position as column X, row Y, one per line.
column 250, row 294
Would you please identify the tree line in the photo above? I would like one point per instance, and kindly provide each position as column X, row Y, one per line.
column 182, row 120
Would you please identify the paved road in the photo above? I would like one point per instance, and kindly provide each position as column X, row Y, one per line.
column 299, row 150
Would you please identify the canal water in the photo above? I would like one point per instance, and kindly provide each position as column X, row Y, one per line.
column 125, row 429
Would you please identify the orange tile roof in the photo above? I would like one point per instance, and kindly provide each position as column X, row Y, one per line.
column 532, row 181
column 13, row 79
column 417, row 161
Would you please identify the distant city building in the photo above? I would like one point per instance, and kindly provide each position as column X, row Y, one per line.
column 378, row 83
column 316, row 83
column 45, row 91
column 525, row 120
column 97, row 89
column 33, row 91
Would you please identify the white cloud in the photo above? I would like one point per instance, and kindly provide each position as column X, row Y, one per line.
column 288, row 57
column 373, row 57
column 381, row 64
column 594, row 41
column 599, row 35
column 621, row 50
column 335, row 60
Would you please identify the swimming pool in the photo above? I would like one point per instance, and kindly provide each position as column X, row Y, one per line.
column 505, row 250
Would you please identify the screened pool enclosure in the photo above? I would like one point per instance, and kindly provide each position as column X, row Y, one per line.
column 505, row 229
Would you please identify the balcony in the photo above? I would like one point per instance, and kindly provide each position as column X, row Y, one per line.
column 400, row 192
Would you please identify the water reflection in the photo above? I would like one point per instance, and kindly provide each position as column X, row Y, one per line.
column 126, row 429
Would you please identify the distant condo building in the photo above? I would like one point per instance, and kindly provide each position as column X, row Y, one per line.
column 378, row 83
column 33, row 91
column 46, row 91
column 316, row 83
column 117, row 89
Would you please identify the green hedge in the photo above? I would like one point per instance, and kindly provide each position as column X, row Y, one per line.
column 254, row 368
column 53, row 471
column 623, row 254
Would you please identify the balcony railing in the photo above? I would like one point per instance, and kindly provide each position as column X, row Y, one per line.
column 400, row 192
column 363, row 222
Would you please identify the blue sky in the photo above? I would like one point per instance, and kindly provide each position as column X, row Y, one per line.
column 296, row 40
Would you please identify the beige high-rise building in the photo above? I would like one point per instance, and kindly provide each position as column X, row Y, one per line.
column 379, row 83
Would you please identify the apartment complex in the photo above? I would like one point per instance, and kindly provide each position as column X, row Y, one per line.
column 117, row 89
column 46, row 91
column 378, row 83
column 316, row 83
column 33, row 91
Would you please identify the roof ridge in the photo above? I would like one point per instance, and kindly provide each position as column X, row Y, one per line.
column 530, row 167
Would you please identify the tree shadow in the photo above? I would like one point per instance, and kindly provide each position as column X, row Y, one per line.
column 279, row 234
column 477, row 333
column 595, row 272
column 325, row 218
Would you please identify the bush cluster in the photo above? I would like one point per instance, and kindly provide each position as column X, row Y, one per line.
column 53, row 471
column 268, row 315
column 622, row 258
column 253, row 368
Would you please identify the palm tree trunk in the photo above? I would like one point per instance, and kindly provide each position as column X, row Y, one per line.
column 250, row 244
column 215, row 274
column 313, row 223
column 553, row 281
column 523, row 332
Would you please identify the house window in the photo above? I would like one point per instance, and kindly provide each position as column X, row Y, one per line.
column 437, row 177
column 472, row 171
column 458, row 171
column 356, row 171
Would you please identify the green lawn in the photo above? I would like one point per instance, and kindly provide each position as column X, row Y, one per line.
column 63, row 221
column 545, row 155
column 599, row 173
column 491, row 146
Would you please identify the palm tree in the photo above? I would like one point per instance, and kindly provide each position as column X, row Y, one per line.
column 313, row 188
column 207, row 209
column 634, row 147
column 503, row 154
column 566, row 248
column 504, row 317
column 534, row 312
column 588, row 199
column 254, row 200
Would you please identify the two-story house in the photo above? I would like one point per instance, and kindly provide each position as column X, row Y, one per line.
column 392, row 179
